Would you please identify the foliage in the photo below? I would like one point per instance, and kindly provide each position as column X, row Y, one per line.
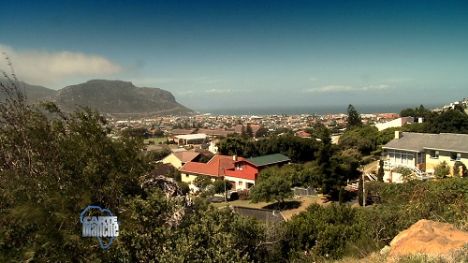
column 202, row 182
column 381, row 172
column 459, row 169
column 261, row 132
column 205, row 234
column 354, row 119
column 363, row 138
column 405, row 173
column 271, row 186
column 298, row 149
column 417, row 112
column 220, row 186
column 387, row 135
column 447, row 121
column 53, row 166
column 249, row 131
column 442, row 170
column 158, row 155
column 330, row 232
column 323, row 231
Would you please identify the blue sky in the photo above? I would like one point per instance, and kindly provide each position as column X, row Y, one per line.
column 233, row 54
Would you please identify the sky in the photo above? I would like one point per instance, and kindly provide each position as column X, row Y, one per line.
column 235, row 54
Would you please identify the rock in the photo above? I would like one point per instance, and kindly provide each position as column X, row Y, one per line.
column 427, row 237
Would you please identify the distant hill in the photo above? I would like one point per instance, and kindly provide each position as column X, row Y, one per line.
column 109, row 96
column 34, row 93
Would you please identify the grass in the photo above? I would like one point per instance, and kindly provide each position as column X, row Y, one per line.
column 155, row 140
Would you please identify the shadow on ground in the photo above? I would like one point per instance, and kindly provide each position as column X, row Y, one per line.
column 287, row 205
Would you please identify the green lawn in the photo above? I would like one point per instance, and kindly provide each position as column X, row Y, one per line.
column 155, row 140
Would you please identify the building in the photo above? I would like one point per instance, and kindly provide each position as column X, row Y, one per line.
column 422, row 152
column 396, row 123
column 245, row 172
column 214, row 168
column 191, row 139
column 242, row 173
column 178, row 159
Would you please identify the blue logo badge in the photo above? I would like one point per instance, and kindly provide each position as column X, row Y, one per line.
column 104, row 227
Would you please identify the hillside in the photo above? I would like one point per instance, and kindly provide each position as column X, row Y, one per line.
column 118, row 97
column 109, row 96
column 34, row 93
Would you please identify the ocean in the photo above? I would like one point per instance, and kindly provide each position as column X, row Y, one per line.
column 319, row 110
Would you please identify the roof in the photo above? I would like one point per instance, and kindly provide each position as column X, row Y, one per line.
column 449, row 142
column 196, row 136
column 216, row 166
column 186, row 156
column 182, row 131
column 417, row 142
column 268, row 159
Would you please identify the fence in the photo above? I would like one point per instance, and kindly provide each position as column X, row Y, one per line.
column 300, row 191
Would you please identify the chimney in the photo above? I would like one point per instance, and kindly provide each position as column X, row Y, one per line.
column 397, row 134
column 234, row 158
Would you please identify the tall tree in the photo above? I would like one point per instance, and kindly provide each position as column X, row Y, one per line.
column 272, row 187
column 354, row 119
column 381, row 172
column 248, row 131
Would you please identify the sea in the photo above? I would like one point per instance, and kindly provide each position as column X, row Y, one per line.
column 317, row 110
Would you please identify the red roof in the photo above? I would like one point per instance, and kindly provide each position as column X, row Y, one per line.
column 214, row 167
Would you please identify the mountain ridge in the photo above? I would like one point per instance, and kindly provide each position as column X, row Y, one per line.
column 108, row 96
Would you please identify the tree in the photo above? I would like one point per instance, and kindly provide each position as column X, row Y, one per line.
column 272, row 187
column 261, row 132
column 449, row 121
column 354, row 119
column 442, row 170
column 202, row 182
column 249, row 131
column 220, row 186
column 381, row 172
column 363, row 138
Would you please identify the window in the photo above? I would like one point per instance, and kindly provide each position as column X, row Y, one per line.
column 434, row 154
column 455, row 156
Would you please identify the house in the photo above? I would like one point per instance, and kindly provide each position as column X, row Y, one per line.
column 400, row 122
column 178, row 159
column 303, row 134
column 245, row 171
column 242, row 173
column 214, row 168
column 422, row 152
column 189, row 139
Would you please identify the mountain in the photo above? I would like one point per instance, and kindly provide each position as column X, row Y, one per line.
column 109, row 96
column 33, row 93
column 118, row 97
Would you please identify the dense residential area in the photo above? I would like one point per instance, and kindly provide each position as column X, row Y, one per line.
column 318, row 131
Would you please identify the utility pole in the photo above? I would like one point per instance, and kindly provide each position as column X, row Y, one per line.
column 363, row 190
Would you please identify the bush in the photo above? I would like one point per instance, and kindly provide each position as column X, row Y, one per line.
column 442, row 170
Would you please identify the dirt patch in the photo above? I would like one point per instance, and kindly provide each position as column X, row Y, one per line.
column 427, row 237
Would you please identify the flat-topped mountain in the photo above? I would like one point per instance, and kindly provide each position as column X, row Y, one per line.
column 108, row 96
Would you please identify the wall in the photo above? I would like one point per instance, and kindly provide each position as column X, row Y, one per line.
column 172, row 160
column 240, row 184
column 400, row 158
column 431, row 163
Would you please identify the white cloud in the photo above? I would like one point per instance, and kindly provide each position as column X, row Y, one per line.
column 347, row 88
column 218, row 91
column 53, row 68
